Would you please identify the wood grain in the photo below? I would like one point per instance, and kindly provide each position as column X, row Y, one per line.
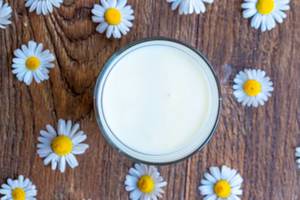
column 258, row 142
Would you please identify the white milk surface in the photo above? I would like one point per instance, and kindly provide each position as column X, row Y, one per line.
column 157, row 99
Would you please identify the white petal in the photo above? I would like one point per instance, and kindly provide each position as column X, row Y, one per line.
column 28, row 78
column 72, row 161
column 249, row 13
column 68, row 127
column 215, row 171
column 109, row 31
column 62, row 164
column 131, row 182
column 135, row 195
column 236, row 180
column 74, row 129
column 102, row 27
column 206, row 190
column 47, row 135
column 49, row 158
column 51, row 130
column 54, row 163
column 80, row 149
column 121, row 3
column 78, row 137
column 61, row 127
column 209, row 177
column 211, row 197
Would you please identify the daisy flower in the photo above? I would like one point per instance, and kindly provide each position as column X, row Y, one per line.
column 42, row 6
column 144, row 183
column 18, row 189
column 59, row 147
column 265, row 13
column 189, row 6
column 114, row 17
column 5, row 14
column 297, row 154
column 224, row 183
column 31, row 62
column 252, row 87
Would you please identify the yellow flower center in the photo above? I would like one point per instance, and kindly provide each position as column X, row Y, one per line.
column 33, row 63
column 252, row 88
column 222, row 189
column 18, row 194
column 146, row 184
column 113, row 16
column 265, row 7
column 62, row 145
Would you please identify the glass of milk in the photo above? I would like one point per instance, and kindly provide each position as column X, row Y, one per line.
column 157, row 101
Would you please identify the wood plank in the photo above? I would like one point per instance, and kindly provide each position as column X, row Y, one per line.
column 258, row 142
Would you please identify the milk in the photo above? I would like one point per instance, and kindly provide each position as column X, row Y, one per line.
column 159, row 101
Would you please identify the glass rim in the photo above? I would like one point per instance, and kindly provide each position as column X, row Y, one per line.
column 102, row 75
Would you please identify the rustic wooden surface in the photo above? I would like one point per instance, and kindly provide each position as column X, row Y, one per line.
column 258, row 142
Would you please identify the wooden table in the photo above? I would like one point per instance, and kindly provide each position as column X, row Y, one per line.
column 260, row 143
